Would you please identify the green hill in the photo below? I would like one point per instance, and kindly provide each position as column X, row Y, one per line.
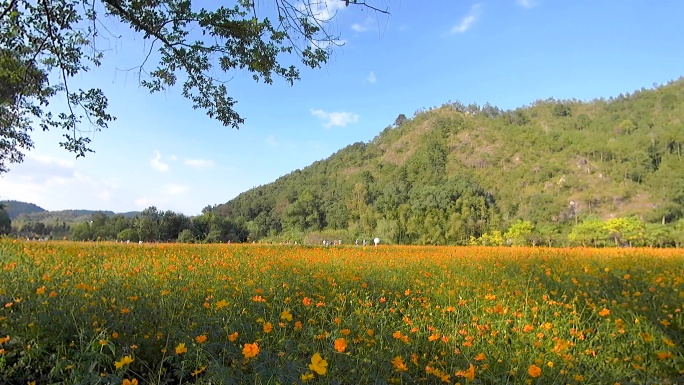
column 16, row 208
column 458, row 171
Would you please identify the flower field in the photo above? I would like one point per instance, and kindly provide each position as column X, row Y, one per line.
column 111, row 313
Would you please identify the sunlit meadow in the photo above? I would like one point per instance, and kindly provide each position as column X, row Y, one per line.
column 222, row 314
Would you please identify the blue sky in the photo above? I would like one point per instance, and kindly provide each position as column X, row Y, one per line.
column 509, row 53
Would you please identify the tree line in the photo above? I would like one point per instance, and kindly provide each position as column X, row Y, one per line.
column 151, row 225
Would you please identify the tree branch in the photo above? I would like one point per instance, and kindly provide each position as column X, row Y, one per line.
column 386, row 11
column 9, row 8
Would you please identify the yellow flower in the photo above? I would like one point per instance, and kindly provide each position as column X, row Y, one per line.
column 221, row 304
column 130, row 382
column 180, row 349
column 534, row 371
column 340, row 344
column 318, row 364
column 286, row 316
column 124, row 361
column 399, row 364
column 250, row 350
column 468, row 374
column 198, row 371
column 306, row 377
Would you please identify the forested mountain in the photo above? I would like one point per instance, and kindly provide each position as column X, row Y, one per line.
column 16, row 208
column 452, row 174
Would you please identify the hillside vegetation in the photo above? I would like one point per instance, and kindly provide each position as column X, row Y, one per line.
column 452, row 174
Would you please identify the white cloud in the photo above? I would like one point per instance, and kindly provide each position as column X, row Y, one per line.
column 371, row 78
column 175, row 189
column 199, row 163
column 104, row 195
column 340, row 119
column 51, row 183
column 157, row 164
column 144, row 202
column 467, row 20
column 367, row 25
column 324, row 9
column 44, row 159
column 526, row 3
column 359, row 28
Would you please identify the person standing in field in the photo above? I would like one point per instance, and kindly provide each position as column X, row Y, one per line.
column 376, row 241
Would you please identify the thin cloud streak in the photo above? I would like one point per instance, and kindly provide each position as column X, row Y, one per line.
column 339, row 119
column 468, row 21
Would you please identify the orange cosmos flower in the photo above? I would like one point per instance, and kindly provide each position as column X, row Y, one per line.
column 480, row 357
column 130, row 382
column 534, row 371
column 268, row 327
column 250, row 350
column 40, row 290
column 340, row 345
column 201, row 339
column 307, row 301
column 604, row 312
column 664, row 355
column 233, row 337
column 298, row 325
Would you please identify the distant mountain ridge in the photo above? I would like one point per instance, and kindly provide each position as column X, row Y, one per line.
column 32, row 212
column 16, row 208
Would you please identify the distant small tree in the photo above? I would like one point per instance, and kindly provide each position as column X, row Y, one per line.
column 562, row 110
column 519, row 233
column 186, row 236
column 128, row 235
column 5, row 222
column 82, row 232
column 591, row 231
column 401, row 119
column 492, row 238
